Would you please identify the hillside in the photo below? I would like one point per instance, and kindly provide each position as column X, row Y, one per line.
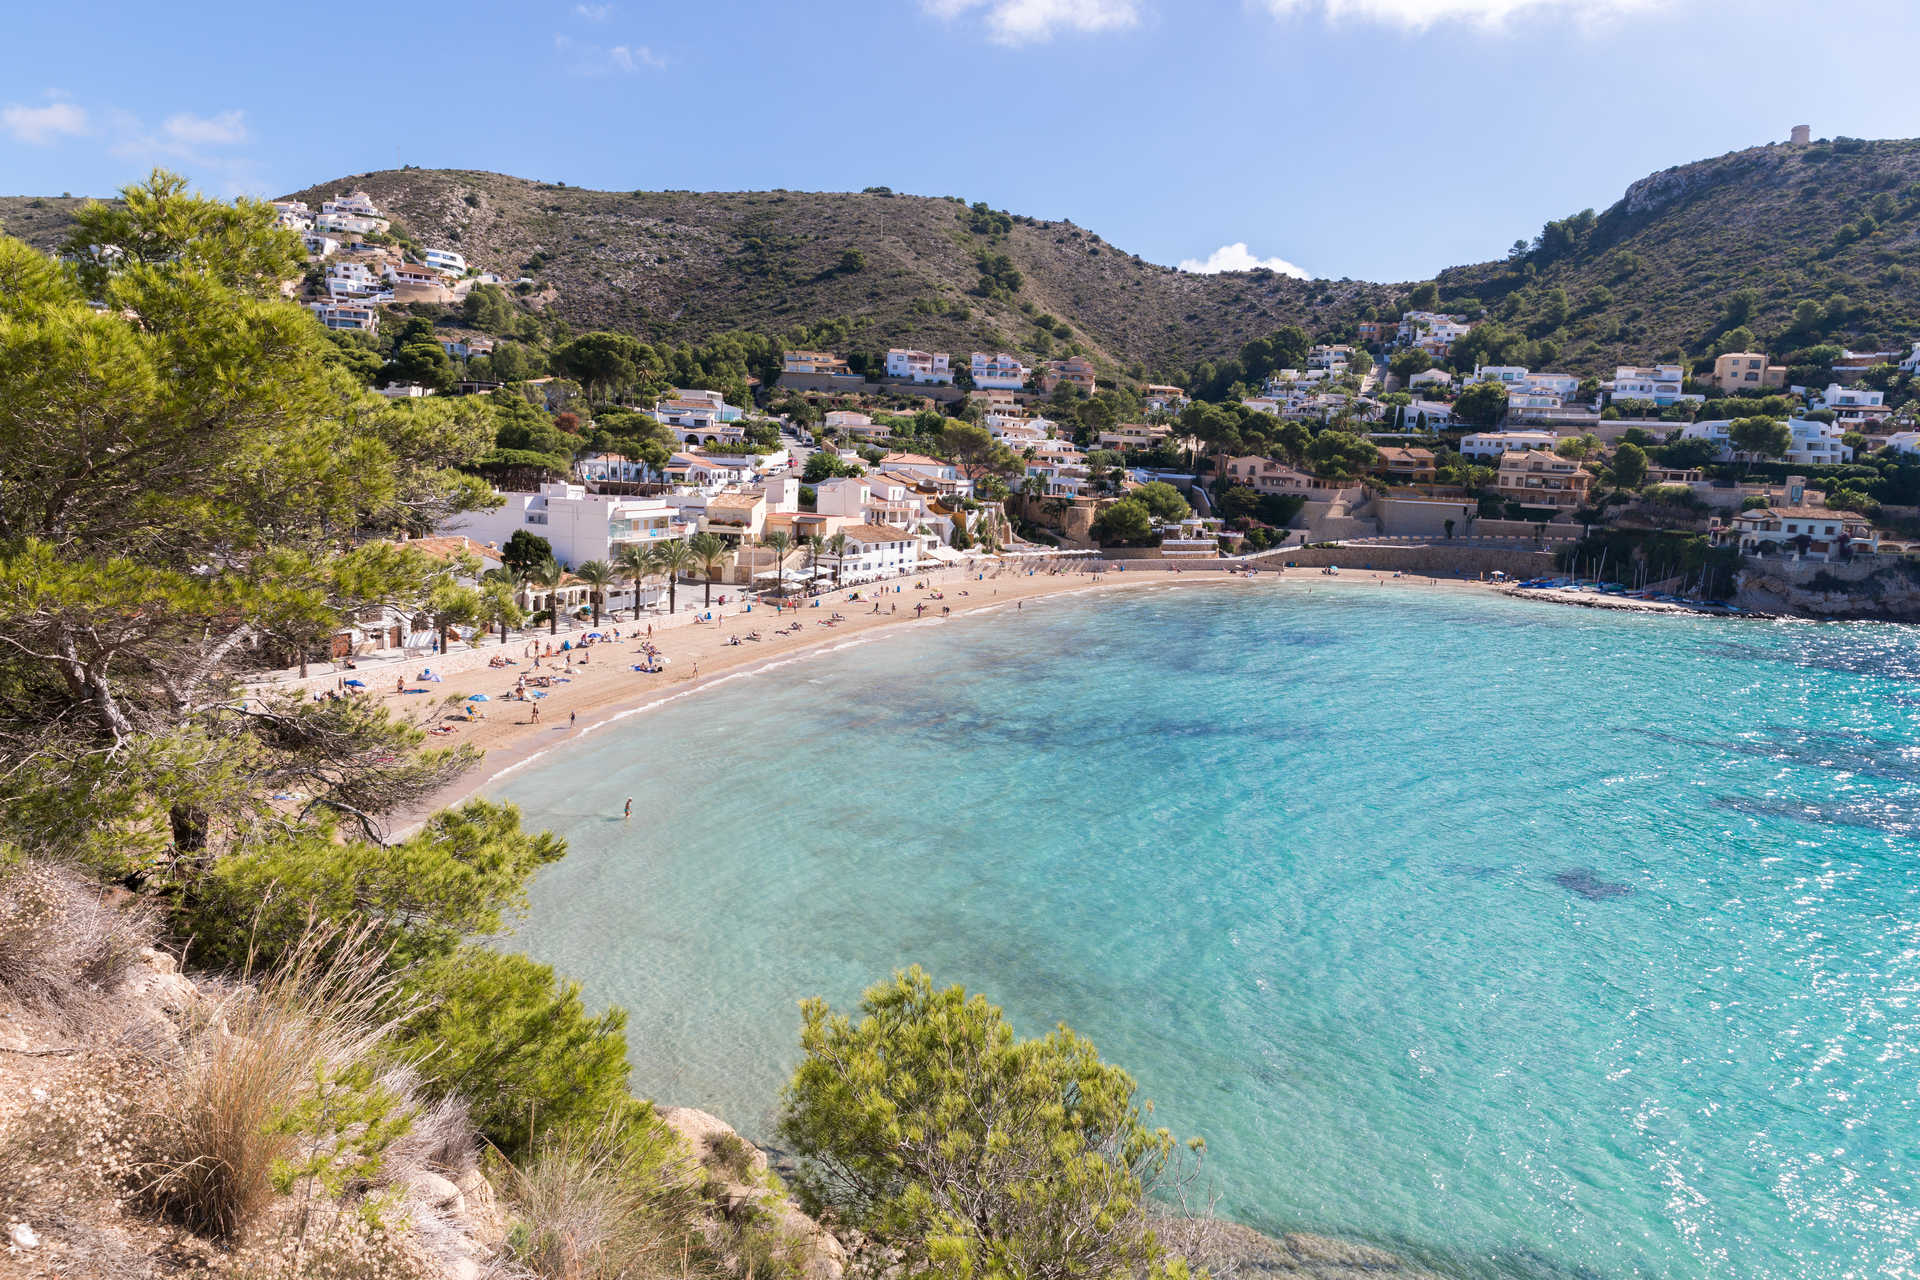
column 1661, row 272
column 683, row 265
column 1650, row 277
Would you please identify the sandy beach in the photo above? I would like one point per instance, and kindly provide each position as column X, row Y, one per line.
column 597, row 684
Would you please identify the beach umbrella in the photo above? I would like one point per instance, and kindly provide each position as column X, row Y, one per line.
column 356, row 684
column 478, row 697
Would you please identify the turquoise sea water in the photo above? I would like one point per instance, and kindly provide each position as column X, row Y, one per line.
column 1527, row 941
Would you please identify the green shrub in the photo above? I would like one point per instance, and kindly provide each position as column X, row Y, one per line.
column 502, row 1031
column 955, row 1148
column 457, row 876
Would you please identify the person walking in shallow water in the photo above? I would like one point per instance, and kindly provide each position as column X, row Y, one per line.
column 629, row 812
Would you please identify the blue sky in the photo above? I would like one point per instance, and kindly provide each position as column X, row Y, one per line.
column 1378, row 139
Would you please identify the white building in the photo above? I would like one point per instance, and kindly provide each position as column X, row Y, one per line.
column 1506, row 375
column 1660, row 383
column 706, row 472
column 319, row 246
column 1492, row 444
column 1431, row 331
column 1330, row 358
column 348, row 224
column 1563, row 385
column 611, row 468
column 408, row 273
column 875, row 551
column 1159, row 397
column 1435, row 377
column 352, row 280
column 468, row 347
column 881, row 499
column 580, row 526
column 1912, row 363
column 1855, row 408
column 342, row 314
column 700, row 417
column 445, row 261
column 1904, row 442
column 1813, row 443
column 1430, row 415
column 919, row 366
column 354, row 202
column 1013, row 428
column 918, row 464
column 999, row 371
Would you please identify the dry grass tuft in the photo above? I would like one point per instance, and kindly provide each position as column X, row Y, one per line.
column 244, row 1108
column 61, row 941
column 618, row 1202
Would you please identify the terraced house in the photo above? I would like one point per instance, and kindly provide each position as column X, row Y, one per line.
column 1541, row 478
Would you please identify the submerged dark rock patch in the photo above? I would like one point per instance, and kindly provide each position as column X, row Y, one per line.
column 1586, row 882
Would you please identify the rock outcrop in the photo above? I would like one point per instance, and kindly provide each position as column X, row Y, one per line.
column 1863, row 589
column 743, row 1187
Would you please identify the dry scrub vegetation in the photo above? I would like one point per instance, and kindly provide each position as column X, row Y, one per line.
column 264, row 1126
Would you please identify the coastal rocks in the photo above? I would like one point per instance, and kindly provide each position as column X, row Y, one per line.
column 714, row 1141
column 1299, row 1256
column 742, row 1189
column 1861, row 589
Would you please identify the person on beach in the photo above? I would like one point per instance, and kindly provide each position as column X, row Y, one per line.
column 573, row 718
column 536, row 714
column 629, row 811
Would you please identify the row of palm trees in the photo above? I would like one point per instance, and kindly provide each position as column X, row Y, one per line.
column 672, row 559
column 634, row 563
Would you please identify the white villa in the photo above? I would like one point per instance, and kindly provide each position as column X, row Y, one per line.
column 999, row 371
column 1814, row 443
column 1855, row 408
column 919, row 366
column 445, row 261
column 1492, row 444
column 875, row 551
column 700, row 417
column 362, row 316
column 580, row 526
column 1811, row 533
column 1660, row 383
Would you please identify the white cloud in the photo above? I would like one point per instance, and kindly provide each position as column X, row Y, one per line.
column 1237, row 257
column 188, row 130
column 1031, row 21
column 39, row 126
column 1418, row 15
column 587, row 59
column 630, row 58
column 593, row 12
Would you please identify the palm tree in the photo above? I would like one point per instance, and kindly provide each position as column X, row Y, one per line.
column 635, row 563
column 780, row 542
column 673, row 559
column 710, row 553
column 498, row 608
column 599, row 576
column 838, row 545
column 815, row 545
column 548, row 575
